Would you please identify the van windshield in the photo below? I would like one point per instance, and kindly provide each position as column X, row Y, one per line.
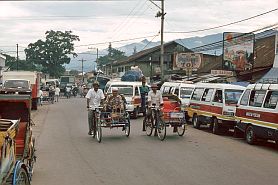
column 185, row 92
column 232, row 96
column 123, row 89
column 20, row 84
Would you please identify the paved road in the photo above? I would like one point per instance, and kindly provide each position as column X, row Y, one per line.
column 68, row 156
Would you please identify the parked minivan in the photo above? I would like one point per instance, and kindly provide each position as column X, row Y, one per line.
column 214, row 105
column 182, row 90
column 131, row 92
column 257, row 112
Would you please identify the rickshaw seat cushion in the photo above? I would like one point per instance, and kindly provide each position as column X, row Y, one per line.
column 20, row 137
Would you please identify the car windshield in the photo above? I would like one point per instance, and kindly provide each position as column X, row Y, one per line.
column 185, row 92
column 123, row 89
column 20, row 84
column 232, row 96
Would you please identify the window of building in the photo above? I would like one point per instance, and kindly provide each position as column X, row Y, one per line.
column 218, row 97
column 257, row 98
column 271, row 100
column 207, row 95
column 245, row 98
column 197, row 94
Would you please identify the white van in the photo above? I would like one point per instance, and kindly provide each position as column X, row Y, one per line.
column 182, row 90
column 214, row 105
column 131, row 92
column 257, row 113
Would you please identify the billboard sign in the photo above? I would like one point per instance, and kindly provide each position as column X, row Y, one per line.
column 238, row 51
column 187, row 60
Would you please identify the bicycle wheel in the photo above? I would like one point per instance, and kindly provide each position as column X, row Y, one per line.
column 148, row 121
column 161, row 128
column 127, row 126
column 98, row 130
column 182, row 128
column 21, row 177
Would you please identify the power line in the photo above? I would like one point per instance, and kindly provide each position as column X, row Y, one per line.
column 116, row 41
column 150, row 41
column 224, row 25
column 219, row 44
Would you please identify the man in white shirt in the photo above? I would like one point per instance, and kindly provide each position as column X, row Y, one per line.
column 57, row 93
column 154, row 98
column 94, row 97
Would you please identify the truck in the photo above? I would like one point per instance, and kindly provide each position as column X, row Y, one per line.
column 64, row 80
column 34, row 79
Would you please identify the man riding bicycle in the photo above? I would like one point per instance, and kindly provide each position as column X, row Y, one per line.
column 95, row 98
column 154, row 98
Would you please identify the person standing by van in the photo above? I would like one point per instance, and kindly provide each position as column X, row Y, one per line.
column 144, row 92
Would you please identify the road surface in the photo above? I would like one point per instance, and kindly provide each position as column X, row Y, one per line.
column 68, row 156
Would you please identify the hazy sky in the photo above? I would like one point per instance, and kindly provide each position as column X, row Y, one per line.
column 103, row 21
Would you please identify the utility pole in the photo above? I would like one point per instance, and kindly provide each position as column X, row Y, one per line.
column 161, row 14
column 82, row 60
column 162, row 44
column 17, row 57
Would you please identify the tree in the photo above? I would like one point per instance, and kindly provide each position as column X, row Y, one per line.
column 74, row 72
column 113, row 55
column 52, row 53
column 23, row 65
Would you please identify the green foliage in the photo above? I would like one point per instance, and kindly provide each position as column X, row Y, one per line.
column 23, row 65
column 74, row 72
column 52, row 53
column 113, row 55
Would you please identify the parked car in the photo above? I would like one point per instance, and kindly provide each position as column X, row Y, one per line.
column 214, row 105
column 257, row 113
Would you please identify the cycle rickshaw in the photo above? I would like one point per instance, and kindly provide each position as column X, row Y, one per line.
column 169, row 116
column 113, row 119
column 17, row 152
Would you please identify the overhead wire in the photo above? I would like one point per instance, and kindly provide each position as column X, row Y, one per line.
column 224, row 25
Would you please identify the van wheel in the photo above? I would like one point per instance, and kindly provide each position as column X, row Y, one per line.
column 195, row 121
column 250, row 135
column 215, row 128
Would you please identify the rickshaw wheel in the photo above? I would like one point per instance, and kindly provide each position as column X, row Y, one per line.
column 98, row 131
column 181, row 129
column 149, row 125
column 127, row 127
column 21, row 177
column 161, row 129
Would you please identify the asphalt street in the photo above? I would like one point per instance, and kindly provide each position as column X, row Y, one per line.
column 68, row 156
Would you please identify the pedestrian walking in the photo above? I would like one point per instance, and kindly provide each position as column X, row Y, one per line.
column 57, row 93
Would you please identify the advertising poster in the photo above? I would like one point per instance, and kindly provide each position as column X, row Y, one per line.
column 187, row 60
column 238, row 51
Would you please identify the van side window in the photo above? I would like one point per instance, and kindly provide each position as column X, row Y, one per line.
column 271, row 100
column 218, row 97
column 176, row 91
column 166, row 90
column 257, row 98
column 245, row 98
column 136, row 91
column 197, row 94
column 207, row 95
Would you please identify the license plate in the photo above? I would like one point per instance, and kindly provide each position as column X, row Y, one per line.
column 177, row 115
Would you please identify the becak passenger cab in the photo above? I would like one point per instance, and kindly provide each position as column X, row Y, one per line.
column 214, row 105
column 131, row 92
column 257, row 113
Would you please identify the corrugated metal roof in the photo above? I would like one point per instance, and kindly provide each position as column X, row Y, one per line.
column 270, row 77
